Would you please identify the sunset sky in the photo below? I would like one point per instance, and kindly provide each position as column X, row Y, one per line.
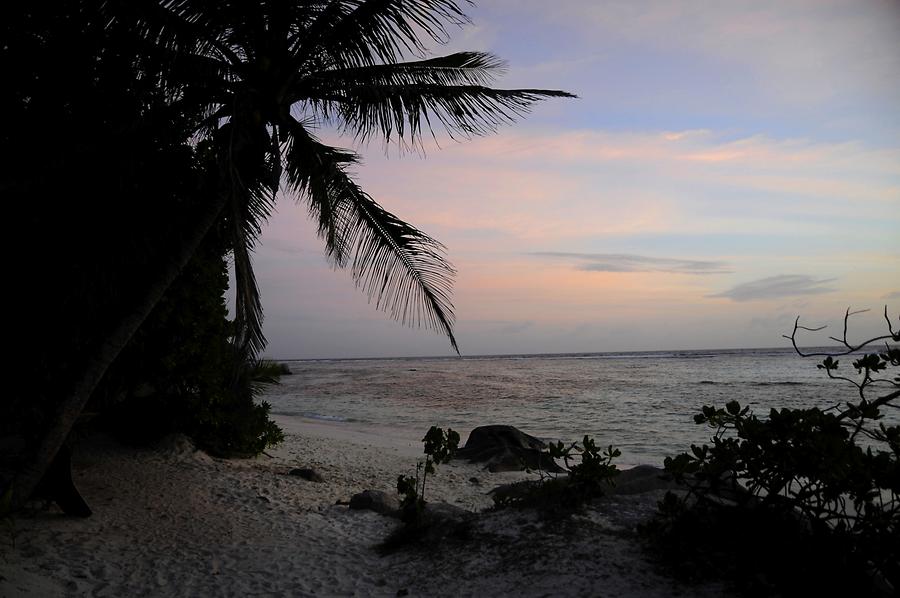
column 727, row 167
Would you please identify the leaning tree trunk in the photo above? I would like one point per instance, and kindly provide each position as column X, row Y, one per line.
column 72, row 406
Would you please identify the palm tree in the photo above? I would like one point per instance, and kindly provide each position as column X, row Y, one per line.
column 275, row 70
column 266, row 74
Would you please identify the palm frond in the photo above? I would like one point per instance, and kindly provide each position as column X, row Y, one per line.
column 461, row 68
column 310, row 167
column 251, row 184
column 402, row 269
column 248, row 307
column 352, row 33
column 462, row 110
column 185, row 27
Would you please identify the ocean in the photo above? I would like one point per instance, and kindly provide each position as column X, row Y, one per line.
column 642, row 403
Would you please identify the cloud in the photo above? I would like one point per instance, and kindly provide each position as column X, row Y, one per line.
column 776, row 287
column 894, row 295
column 620, row 262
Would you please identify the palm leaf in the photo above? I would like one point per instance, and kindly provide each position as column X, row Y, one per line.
column 400, row 110
column 310, row 167
column 402, row 269
column 462, row 68
column 251, row 184
column 248, row 307
column 353, row 33
column 187, row 27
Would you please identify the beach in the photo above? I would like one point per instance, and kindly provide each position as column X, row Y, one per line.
column 170, row 520
column 262, row 251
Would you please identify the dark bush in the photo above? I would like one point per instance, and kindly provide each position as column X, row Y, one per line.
column 181, row 372
column 563, row 493
column 805, row 500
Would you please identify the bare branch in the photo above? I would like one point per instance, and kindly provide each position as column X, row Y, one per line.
column 895, row 335
column 851, row 348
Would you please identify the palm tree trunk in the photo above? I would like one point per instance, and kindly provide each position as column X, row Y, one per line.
column 72, row 406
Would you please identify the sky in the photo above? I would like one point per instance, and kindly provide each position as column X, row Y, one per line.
column 727, row 167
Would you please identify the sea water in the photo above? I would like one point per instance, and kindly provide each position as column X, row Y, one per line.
column 642, row 403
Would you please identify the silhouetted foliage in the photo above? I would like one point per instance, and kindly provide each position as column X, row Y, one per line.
column 108, row 107
column 563, row 493
column 99, row 180
column 267, row 75
column 808, row 499
column 103, row 179
column 439, row 448
column 418, row 527
column 182, row 372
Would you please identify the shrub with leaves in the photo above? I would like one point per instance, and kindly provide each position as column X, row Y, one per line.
column 564, row 492
column 439, row 448
column 814, row 493
column 183, row 372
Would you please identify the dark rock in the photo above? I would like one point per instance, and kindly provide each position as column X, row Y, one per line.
column 506, row 448
column 307, row 474
column 475, row 481
column 375, row 500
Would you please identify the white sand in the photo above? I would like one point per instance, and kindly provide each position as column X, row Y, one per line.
column 172, row 521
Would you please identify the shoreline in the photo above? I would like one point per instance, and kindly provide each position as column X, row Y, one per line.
column 399, row 440
column 172, row 521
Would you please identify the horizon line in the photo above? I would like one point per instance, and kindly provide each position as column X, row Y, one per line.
column 496, row 355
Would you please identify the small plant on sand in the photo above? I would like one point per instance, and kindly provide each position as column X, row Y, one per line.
column 577, row 484
column 806, row 500
column 419, row 529
column 439, row 448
